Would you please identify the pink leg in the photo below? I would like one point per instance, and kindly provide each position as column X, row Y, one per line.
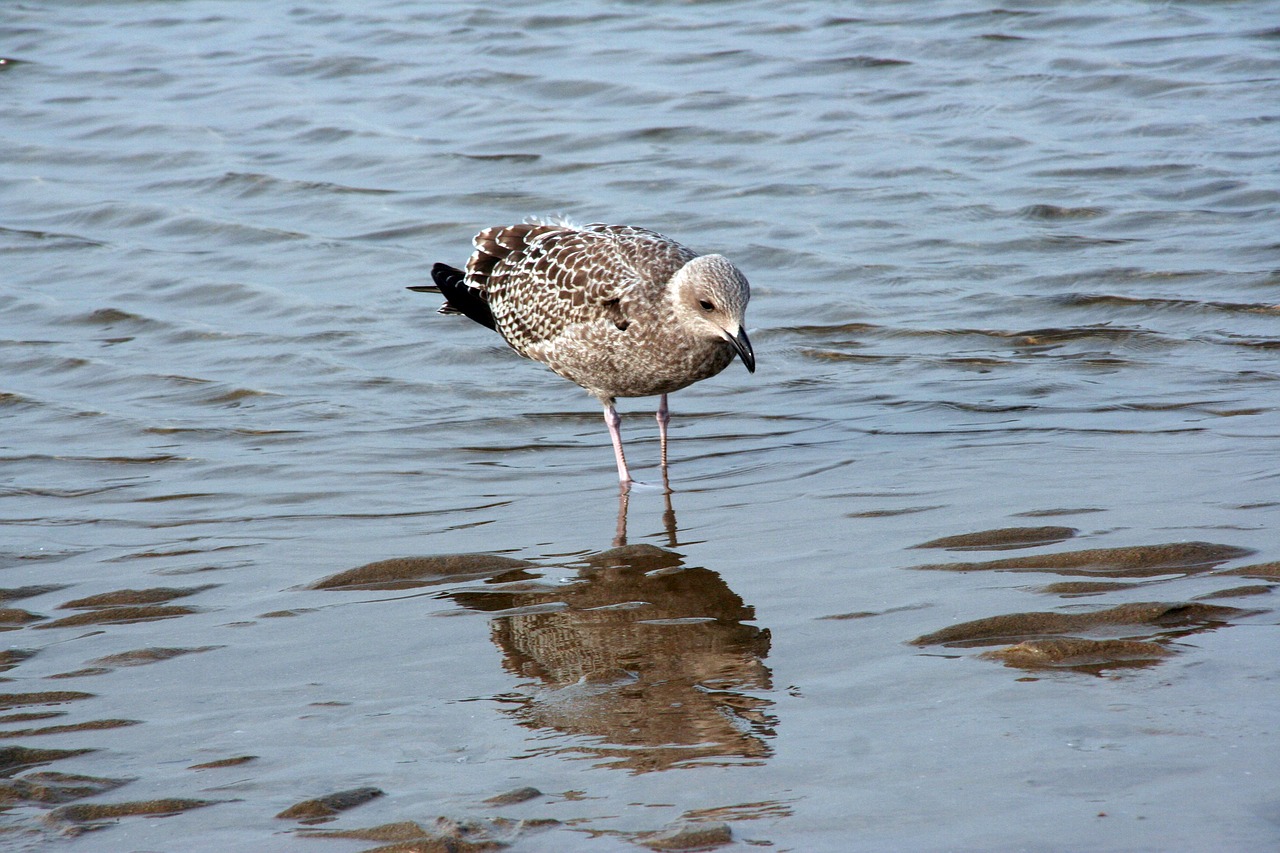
column 664, row 418
column 612, row 420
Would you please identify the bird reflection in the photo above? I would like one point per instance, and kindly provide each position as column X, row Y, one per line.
column 668, row 514
column 645, row 661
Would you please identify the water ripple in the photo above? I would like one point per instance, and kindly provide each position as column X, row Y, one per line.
column 1005, row 263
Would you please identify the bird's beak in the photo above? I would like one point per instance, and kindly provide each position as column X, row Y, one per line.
column 743, row 345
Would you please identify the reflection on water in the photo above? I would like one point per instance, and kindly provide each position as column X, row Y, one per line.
column 646, row 662
column 668, row 514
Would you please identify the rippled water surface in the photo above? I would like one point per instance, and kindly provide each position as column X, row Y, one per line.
column 983, row 556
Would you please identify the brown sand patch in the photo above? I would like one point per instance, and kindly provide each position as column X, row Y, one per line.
column 1083, row 587
column 1237, row 592
column 28, row 717
column 48, row 788
column 1263, row 571
column 141, row 657
column 78, row 817
column 15, row 758
column 120, row 616
column 224, row 762
column 44, row 697
column 133, row 597
column 410, row 572
column 688, row 836
column 1002, row 538
column 10, row 658
column 87, row 726
column 1020, row 626
column 324, row 808
column 1077, row 653
column 1135, row 561
column 19, row 592
column 15, row 617
column 512, row 797
column 86, row 672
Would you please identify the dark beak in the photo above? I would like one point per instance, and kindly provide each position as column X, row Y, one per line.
column 743, row 345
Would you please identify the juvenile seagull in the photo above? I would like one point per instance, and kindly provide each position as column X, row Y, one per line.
column 621, row 311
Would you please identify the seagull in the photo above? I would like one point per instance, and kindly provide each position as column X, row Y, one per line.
column 620, row 311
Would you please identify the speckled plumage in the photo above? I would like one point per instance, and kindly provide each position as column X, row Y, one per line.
column 619, row 310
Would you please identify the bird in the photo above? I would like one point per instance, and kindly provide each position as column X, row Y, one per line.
column 619, row 310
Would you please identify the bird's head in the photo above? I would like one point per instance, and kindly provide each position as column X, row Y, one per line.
column 711, row 297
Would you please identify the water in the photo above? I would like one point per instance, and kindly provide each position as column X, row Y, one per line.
column 1011, row 268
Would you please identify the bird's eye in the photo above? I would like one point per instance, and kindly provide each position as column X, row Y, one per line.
column 706, row 306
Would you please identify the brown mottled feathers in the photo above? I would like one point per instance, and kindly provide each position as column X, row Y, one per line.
column 541, row 279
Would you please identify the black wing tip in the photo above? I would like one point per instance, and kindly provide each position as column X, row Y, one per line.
column 441, row 274
column 458, row 297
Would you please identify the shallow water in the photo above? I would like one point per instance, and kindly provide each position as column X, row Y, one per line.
column 926, row 580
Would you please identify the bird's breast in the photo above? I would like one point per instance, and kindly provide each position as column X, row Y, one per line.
column 631, row 358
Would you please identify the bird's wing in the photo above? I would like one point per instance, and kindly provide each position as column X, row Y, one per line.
column 498, row 250
column 544, row 279
column 655, row 258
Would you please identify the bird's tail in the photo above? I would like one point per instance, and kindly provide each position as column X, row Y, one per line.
column 459, row 298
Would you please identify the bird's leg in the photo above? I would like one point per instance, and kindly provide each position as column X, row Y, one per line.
column 664, row 418
column 612, row 420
